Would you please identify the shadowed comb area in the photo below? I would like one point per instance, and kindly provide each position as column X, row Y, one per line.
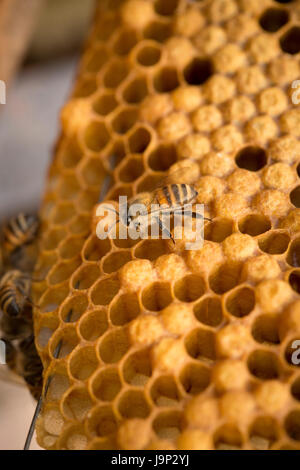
column 168, row 348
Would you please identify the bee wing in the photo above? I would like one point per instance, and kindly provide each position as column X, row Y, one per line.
column 180, row 172
column 183, row 172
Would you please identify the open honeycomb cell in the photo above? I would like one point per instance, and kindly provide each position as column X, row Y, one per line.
column 163, row 347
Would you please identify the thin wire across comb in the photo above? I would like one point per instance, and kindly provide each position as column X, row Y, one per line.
column 44, row 394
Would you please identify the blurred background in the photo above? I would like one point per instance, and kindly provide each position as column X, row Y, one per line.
column 40, row 42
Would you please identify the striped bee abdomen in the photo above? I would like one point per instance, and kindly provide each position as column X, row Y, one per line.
column 176, row 195
column 19, row 231
column 8, row 302
column 14, row 291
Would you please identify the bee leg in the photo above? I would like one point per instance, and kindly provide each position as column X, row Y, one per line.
column 27, row 297
column 24, row 294
column 30, row 301
column 196, row 215
column 164, row 229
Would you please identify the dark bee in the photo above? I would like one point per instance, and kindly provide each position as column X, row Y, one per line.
column 14, row 292
column 18, row 254
column 20, row 231
column 22, row 359
column 32, row 368
column 17, row 328
column 16, row 325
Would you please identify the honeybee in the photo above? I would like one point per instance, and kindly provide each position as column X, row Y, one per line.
column 14, row 293
column 18, row 242
column 22, row 358
column 19, row 231
column 17, row 259
column 170, row 199
column 16, row 327
column 32, row 368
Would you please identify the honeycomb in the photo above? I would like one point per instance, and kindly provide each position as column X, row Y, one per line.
column 164, row 348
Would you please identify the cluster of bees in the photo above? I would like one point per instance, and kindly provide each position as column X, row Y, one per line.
column 17, row 258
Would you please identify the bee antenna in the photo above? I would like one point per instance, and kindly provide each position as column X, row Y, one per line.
column 111, row 209
column 28, row 298
column 32, row 303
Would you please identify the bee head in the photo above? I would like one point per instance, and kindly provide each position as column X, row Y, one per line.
column 130, row 215
column 13, row 309
column 125, row 215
